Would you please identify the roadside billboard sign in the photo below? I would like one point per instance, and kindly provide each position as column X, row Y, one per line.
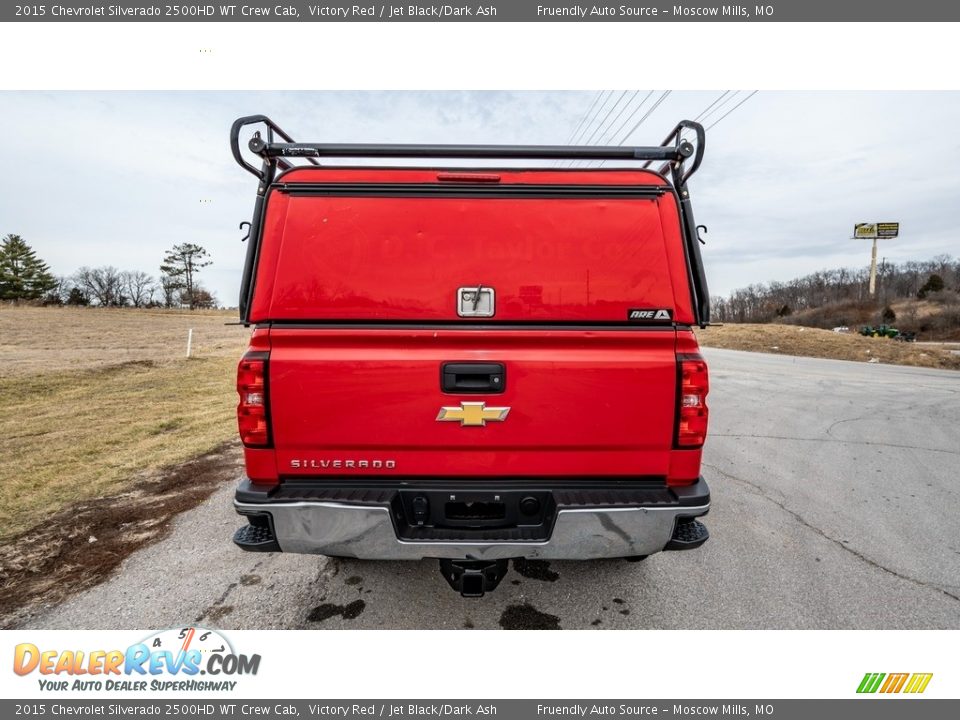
column 874, row 231
column 888, row 230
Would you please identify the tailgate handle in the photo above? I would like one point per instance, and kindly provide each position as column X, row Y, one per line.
column 473, row 377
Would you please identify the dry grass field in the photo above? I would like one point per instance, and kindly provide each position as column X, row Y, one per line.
column 37, row 340
column 93, row 402
column 812, row 342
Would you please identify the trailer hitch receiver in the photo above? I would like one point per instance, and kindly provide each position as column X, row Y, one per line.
column 473, row 578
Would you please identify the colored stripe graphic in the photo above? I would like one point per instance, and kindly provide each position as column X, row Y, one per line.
column 870, row 682
column 894, row 683
column 918, row 682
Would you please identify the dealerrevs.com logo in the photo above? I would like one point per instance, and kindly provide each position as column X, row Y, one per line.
column 172, row 659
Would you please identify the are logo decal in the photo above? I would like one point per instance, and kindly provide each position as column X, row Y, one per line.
column 654, row 315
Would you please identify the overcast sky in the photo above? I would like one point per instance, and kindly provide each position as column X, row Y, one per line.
column 117, row 178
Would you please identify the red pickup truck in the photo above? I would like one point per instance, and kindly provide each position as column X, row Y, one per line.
column 472, row 363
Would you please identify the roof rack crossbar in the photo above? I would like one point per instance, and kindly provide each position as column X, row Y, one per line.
column 673, row 152
column 544, row 152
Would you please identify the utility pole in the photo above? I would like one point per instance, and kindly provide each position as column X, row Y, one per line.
column 873, row 269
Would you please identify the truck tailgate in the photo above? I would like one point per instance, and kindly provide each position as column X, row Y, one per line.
column 581, row 402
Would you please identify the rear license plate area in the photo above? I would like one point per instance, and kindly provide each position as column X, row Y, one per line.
column 453, row 508
column 475, row 511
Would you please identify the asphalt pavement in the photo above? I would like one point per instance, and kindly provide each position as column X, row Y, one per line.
column 836, row 504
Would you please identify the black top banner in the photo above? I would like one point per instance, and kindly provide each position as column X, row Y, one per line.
column 496, row 11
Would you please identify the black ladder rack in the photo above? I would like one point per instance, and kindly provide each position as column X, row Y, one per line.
column 679, row 159
column 673, row 152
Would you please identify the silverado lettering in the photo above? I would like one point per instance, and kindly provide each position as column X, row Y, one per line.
column 544, row 405
column 347, row 464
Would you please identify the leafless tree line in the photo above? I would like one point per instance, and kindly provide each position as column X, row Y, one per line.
column 765, row 302
column 107, row 286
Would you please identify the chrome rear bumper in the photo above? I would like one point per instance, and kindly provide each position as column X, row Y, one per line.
column 368, row 532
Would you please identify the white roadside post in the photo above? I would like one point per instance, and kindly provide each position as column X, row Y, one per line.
column 189, row 341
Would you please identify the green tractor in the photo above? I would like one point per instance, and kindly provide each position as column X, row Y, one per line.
column 886, row 331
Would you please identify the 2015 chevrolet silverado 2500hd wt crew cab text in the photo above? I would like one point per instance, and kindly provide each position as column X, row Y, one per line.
column 471, row 364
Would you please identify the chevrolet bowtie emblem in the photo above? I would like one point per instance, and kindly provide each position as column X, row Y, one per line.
column 472, row 414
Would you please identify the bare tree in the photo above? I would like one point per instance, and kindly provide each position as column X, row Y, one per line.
column 138, row 286
column 102, row 284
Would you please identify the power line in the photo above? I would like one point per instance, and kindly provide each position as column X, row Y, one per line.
column 606, row 95
column 589, row 123
column 631, row 115
column 604, row 135
column 649, row 112
column 584, row 117
column 707, row 111
column 622, row 110
column 732, row 109
column 602, row 122
column 710, row 111
column 704, row 111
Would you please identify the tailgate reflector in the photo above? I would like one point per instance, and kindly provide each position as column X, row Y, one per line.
column 252, row 410
column 692, row 394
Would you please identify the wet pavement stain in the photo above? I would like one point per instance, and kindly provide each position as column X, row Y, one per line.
column 353, row 580
column 596, row 622
column 535, row 569
column 249, row 580
column 527, row 617
column 351, row 611
column 216, row 614
column 218, row 608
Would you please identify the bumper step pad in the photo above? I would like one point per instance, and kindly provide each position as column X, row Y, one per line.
column 256, row 538
column 689, row 533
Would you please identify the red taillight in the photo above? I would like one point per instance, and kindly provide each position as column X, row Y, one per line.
column 252, row 410
column 692, row 400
